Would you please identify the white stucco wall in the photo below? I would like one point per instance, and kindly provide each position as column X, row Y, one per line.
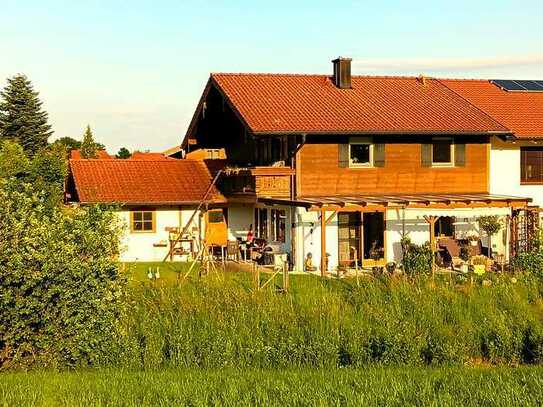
column 240, row 217
column 398, row 221
column 139, row 246
column 412, row 223
column 505, row 171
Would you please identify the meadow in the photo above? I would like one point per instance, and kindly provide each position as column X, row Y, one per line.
column 219, row 321
column 292, row 387
column 214, row 340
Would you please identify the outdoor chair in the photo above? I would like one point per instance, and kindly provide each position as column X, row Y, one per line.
column 232, row 250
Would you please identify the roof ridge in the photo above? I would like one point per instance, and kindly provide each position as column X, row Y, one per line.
column 313, row 75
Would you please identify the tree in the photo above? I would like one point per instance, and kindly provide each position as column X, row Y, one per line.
column 68, row 143
column 62, row 292
column 89, row 148
column 21, row 116
column 13, row 160
column 123, row 153
column 490, row 225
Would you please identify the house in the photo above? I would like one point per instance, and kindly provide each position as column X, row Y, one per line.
column 344, row 166
column 156, row 198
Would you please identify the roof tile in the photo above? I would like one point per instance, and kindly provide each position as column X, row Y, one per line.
column 283, row 103
column 522, row 112
column 142, row 182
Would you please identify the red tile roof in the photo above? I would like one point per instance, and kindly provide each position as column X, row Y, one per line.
column 163, row 182
column 282, row 103
column 522, row 112
column 101, row 155
column 138, row 155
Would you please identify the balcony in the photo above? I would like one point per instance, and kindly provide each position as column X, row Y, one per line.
column 259, row 182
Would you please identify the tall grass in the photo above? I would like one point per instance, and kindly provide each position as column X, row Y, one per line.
column 230, row 387
column 220, row 322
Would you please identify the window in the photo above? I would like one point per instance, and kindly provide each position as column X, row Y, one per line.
column 531, row 165
column 444, row 226
column 360, row 154
column 142, row 221
column 215, row 216
column 442, row 152
column 261, row 223
column 278, row 221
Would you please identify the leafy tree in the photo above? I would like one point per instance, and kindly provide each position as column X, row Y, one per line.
column 62, row 292
column 123, row 153
column 89, row 148
column 490, row 225
column 68, row 143
column 21, row 116
column 13, row 160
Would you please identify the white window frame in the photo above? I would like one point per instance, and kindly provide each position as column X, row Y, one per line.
column 448, row 164
column 361, row 141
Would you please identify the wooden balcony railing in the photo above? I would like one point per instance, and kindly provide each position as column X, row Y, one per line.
column 269, row 182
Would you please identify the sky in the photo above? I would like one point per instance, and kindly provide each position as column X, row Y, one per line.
column 135, row 70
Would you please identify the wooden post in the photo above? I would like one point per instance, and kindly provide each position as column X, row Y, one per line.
column 323, row 243
column 431, row 222
column 285, row 277
column 256, row 276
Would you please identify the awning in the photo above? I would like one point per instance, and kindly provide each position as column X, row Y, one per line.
column 406, row 201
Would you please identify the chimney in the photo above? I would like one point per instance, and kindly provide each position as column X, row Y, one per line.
column 342, row 72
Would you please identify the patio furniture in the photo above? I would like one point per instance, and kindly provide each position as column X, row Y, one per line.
column 232, row 250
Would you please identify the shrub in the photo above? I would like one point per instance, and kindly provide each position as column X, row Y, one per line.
column 61, row 292
column 531, row 262
column 416, row 259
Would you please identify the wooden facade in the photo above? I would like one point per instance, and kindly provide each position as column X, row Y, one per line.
column 318, row 170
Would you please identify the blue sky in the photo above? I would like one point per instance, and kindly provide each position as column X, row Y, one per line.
column 135, row 70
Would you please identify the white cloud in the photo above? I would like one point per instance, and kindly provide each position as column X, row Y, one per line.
column 445, row 64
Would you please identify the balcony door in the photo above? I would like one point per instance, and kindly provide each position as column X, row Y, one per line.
column 361, row 238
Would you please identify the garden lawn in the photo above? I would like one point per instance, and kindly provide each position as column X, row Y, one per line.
column 341, row 387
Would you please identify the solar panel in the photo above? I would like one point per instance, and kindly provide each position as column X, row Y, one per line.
column 529, row 85
column 507, row 84
column 519, row 85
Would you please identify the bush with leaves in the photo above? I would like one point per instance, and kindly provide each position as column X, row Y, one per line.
column 416, row 259
column 61, row 291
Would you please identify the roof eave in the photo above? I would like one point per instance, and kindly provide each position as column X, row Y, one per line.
column 383, row 133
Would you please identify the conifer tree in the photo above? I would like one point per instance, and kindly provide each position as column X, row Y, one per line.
column 89, row 148
column 21, row 116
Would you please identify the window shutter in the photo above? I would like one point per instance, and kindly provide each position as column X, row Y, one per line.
column 378, row 155
column 426, row 155
column 460, row 155
column 343, row 155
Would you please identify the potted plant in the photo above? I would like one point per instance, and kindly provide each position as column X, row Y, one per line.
column 472, row 237
column 479, row 264
column 490, row 225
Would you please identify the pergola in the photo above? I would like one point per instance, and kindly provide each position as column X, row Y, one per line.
column 371, row 203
